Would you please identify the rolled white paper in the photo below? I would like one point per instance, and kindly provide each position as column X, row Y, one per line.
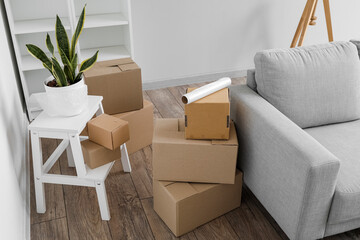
column 206, row 90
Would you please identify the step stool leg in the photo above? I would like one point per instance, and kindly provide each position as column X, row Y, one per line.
column 78, row 155
column 103, row 201
column 125, row 158
column 37, row 165
column 70, row 156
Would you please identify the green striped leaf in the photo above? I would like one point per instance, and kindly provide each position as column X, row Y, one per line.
column 68, row 74
column 59, row 73
column 74, row 63
column 62, row 39
column 78, row 77
column 39, row 54
column 49, row 44
column 78, row 30
column 88, row 63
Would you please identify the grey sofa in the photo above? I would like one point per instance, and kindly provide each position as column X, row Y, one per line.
column 298, row 126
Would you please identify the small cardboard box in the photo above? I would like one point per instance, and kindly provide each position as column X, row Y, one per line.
column 178, row 159
column 96, row 155
column 209, row 117
column 185, row 206
column 119, row 82
column 108, row 131
column 141, row 125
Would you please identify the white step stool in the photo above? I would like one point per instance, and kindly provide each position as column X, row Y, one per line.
column 69, row 129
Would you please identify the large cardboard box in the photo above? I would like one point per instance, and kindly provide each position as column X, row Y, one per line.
column 119, row 82
column 209, row 117
column 185, row 206
column 96, row 155
column 108, row 131
column 141, row 125
column 178, row 159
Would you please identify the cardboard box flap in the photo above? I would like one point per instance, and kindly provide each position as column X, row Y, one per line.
column 115, row 62
column 170, row 131
column 128, row 67
column 202, row 187
column 180, row 190
column 108, row 123
column 221, row 96
column 232, row 138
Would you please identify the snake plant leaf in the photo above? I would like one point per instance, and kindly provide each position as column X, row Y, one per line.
column 78, row 77
column 88, row 63
column 58, row 82
column 62, row 39
column 65, row 59
column 39, row 54
column 68, row 74
column 49, row 44
column 74, row 62
column 78, row 30
column 59, row 73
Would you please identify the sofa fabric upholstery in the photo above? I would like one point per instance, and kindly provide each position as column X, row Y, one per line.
column 250, row 79
column 313, row 85
column 291, row 173
column 343, row 140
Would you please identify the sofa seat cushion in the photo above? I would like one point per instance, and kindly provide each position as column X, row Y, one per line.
column 343, row 140
column 314, row 85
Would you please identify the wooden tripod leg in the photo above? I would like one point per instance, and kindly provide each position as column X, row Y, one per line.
column 307, row 21
column 328, row 20
column 313, row 17
column 300, row 26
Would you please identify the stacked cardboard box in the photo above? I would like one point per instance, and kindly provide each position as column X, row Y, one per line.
column 194, row 164
column 106, row 135
column 119, row 82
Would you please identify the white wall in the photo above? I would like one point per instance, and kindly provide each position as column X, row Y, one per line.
column 14, row 208
column 183, row 38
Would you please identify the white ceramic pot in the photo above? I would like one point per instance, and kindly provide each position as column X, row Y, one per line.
column 64, row 101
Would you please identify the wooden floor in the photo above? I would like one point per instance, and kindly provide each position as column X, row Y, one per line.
column 73, row 212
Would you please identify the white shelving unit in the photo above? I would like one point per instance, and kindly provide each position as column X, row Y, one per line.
column 107, row 29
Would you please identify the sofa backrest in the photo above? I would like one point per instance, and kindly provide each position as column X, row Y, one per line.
column 250, row 79
column 314, row 85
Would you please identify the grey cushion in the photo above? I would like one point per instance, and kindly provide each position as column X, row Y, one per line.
column 313, row 85
column 250, row 79
column 343, row 140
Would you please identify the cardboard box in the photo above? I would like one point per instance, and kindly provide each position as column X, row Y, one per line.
column 141, row 125
column 178, row 159
column 209, row 117
column 96, row 155
column 108, row 131
column 186, row 206
column 119, row 82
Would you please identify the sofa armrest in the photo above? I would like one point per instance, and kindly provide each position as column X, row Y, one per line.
column 291, row 173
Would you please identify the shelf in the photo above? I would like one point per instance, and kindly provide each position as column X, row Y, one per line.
column 105, row 20
column 38, row 25
column 106, row 53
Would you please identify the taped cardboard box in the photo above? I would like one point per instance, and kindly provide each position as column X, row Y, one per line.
column 209, row 117
column 108, row 131
column 96, row 155
column 178, row 159
column 119, row 82
column 141, row 125
column 186, row 206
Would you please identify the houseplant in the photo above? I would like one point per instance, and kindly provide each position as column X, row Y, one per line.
column 66, row 93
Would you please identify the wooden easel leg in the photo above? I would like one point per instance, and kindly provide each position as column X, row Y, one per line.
column 300, row 26
column 328, row 20
column 307, row 20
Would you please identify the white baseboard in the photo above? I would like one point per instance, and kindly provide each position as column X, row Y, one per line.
column 192, row 79
column 27, row 207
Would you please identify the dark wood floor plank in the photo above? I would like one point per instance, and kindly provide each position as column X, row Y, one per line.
column 178, row 92
column 128, row 220
column 148, row 159
column 55, row 206
column 158, row 227
column 265, row 221
column 140, row 175
column 166, row 103
column 54, row 229
column 219, row 228
column 82, row 209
